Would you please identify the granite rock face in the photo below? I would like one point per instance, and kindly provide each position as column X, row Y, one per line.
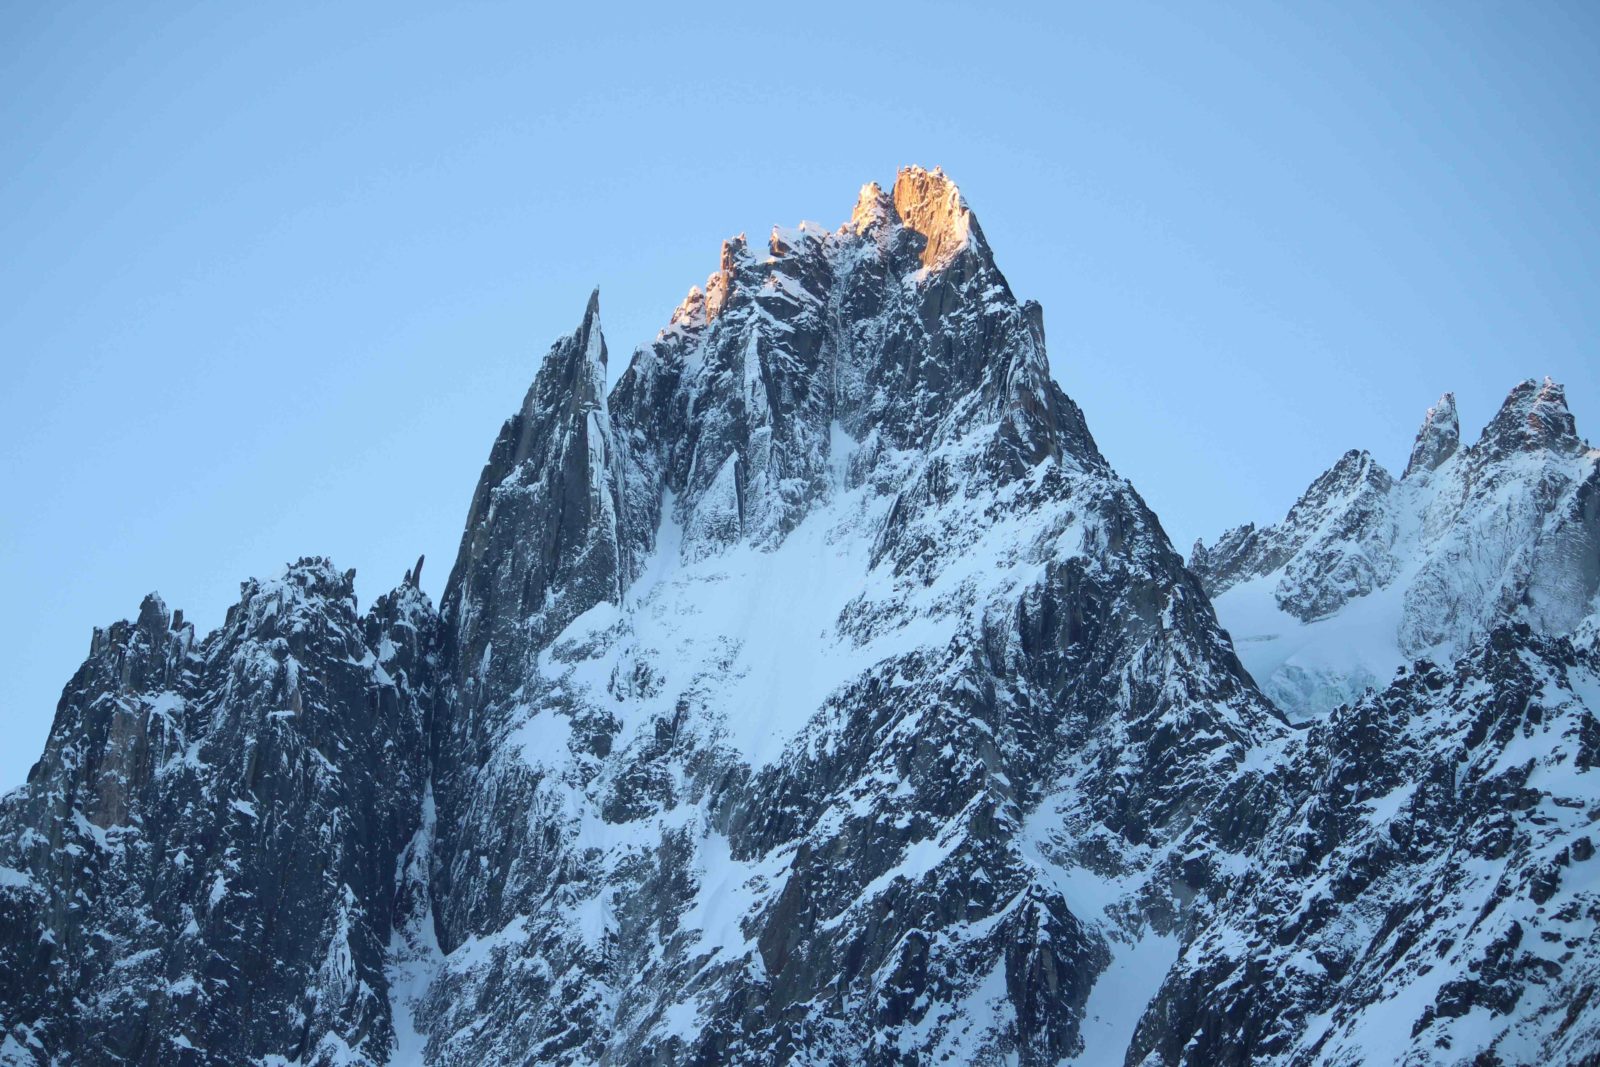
column 1439, row 438
column 818, row 694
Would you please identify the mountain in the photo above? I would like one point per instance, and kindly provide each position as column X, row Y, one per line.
column 202, row 859
column 1368, row 572
column 816, row 694
column 853, row 622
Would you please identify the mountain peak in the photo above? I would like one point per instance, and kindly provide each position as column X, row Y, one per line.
column 929, row 203
column 153, row 614
column 1533, row 417
column 590, row 337
column 692, row 311
column 543, row 519
column 1438, row 439
column 873, row 207
column 735, row 250
column 821, row 693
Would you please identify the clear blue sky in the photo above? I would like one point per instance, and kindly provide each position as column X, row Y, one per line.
column 274, row 274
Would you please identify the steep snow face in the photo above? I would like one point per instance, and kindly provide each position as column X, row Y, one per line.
column 201, row 863
column 895, row 670
column 1429, row 888
column 1367, row 573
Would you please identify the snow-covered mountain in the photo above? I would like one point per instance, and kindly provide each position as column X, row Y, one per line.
column 1427, row 892
column 818, row 694
column 847, row 656
column 1368, row 572
column 199, row 869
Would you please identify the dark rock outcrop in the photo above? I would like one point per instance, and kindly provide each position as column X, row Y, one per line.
column 201, row 867
column 1421, row 890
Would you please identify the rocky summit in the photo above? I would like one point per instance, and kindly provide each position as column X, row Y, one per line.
column 1369, row 572
column 819, row 694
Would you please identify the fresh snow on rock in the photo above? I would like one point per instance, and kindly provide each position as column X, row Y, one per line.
column 819, row 694
column 1367, row 573
column 1429, row 889
column 782, row 754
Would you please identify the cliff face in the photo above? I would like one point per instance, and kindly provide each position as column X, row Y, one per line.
column 818, row 694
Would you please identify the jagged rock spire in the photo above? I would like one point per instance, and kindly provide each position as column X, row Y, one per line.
column 929, row 203
column 544, row 517
column 1438, row 439
column 719, row 287
column 591, row 343
column 1534, row 416
column 691, row 313
column 873, row 208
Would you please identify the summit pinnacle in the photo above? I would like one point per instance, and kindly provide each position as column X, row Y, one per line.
column 1438, row 438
